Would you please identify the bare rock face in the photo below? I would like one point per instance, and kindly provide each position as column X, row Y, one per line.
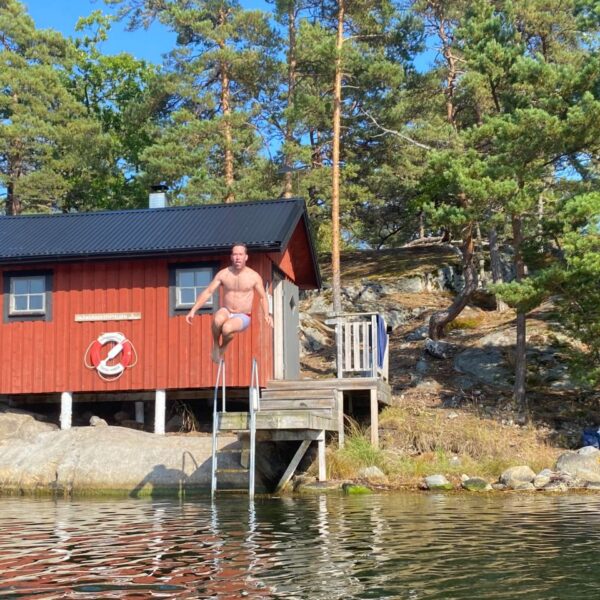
column 518, row 478
column 88, row 460
column 584, row 466
column 21, row 425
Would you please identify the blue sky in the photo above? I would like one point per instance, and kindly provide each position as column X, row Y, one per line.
column 150, row 45
column 62, row 15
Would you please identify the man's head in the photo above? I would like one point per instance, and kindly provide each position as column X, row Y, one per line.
column 239, row 255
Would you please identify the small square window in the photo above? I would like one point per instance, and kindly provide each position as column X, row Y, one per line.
column 190, row 283
column 187, row 282
column 27, row 295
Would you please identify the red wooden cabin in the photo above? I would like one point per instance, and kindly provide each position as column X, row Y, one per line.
column 69, row 278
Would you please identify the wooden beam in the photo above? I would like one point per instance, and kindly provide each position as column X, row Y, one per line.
column 293, row 465
column 288, row 435
column 374, row 419
column 340, row 417
column 277, row 419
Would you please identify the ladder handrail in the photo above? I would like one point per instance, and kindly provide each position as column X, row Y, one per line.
column 213, row 479
column 253, row 408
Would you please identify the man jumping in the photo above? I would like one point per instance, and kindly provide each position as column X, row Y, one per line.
column 239, row 284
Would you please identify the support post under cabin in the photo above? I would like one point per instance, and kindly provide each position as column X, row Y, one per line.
column 374, row 418
column 159, row 411
column 139, row 412
column 322, row 466
column 66, row 410
column 339, row 402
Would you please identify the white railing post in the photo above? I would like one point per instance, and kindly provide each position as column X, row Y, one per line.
column 374, row 346
column 339, row 335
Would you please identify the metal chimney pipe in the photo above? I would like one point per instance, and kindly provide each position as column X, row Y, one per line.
column 158, row 196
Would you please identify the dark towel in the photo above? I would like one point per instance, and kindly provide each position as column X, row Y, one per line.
column 381, row 340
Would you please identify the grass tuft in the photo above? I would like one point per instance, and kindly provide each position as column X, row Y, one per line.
column 463, row 324
column 357, row 453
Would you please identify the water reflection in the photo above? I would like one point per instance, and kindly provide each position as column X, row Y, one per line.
column 390, row 546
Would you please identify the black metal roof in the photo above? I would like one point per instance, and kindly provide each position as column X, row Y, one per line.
column 202, row 229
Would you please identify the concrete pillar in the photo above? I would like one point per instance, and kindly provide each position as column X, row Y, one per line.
column 139, row 412
column 322, row 466
column 66, row 410
column 160, row 404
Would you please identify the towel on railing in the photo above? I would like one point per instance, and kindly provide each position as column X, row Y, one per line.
column 381, row 340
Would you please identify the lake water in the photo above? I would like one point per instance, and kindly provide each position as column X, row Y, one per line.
column 407, row 546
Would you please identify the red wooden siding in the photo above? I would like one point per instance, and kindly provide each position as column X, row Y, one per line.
column 43, row 357
column 296, row 260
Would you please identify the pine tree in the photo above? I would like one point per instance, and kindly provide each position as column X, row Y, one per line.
column 49, row 147
column 219, row 74
column 126, row 96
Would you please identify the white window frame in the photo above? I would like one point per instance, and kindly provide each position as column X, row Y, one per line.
column 198, row 289
column 13, row 310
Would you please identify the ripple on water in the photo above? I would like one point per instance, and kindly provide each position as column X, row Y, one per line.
column 390, row 546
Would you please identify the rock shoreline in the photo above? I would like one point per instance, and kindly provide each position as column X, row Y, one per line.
column 38, row 458
column 574, row 470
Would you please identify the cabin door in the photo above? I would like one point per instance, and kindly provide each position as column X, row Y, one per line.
column 286, row 325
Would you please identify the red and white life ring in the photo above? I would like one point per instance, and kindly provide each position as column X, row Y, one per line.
column 122, row 346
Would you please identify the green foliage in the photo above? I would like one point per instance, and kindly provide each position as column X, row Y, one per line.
column 523, row 296
column 575, row 282
column 50, row 149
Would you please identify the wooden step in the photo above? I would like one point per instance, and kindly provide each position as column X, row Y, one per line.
column 285, row 394
column 346, row 384
column 323, row 384
column 284, row 404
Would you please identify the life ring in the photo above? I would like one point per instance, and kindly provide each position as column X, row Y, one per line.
column 122, row 346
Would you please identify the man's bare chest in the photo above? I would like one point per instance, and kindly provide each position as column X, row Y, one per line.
column 238, row 282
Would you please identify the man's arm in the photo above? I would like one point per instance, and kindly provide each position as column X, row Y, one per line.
column 264, row 301
column 203, row 297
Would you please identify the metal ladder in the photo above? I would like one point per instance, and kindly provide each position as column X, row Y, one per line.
column 253, row 408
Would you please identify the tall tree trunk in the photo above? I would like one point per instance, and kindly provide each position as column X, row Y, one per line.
column 291, row 94
column 440, row 319
column 519, row 392
column 480, row 255
column 335, row 183
column 226, row 125
column 496, row 266
column 227, row 134
column 452, row 74
column 12, row 205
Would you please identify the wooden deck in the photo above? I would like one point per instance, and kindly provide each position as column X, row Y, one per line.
column 305, row 410
column 326, row 397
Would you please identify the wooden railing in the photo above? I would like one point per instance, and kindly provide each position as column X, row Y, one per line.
column 358, row 337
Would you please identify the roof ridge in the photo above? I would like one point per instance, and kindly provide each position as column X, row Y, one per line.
column 148, row 210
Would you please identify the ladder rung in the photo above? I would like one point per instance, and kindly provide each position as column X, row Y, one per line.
column 232, row 470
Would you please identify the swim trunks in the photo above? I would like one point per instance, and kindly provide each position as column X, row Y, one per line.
column 244, row 317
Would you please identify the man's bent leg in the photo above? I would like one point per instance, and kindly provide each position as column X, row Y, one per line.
column 228, row 331
column 219, row 318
